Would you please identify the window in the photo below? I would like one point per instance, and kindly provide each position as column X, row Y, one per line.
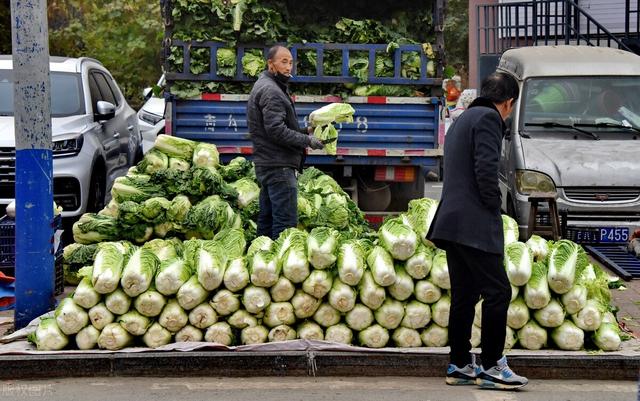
column 105, row 90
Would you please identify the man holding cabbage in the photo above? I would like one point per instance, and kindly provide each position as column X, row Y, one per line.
column 468, row 225
column 278, row 144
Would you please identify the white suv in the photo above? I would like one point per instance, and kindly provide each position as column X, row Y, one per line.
column 95, row 133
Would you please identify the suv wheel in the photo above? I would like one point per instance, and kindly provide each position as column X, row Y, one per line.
column 96, row 190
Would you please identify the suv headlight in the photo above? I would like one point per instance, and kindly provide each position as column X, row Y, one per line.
column 150, row 118
column 67, row 147
column 528, row 181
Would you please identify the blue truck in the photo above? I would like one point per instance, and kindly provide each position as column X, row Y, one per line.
column 383, row 157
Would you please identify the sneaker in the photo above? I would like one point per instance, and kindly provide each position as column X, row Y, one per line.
column 500, row 377
column 460, row 376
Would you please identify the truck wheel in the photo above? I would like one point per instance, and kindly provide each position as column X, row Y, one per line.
column 96, row 190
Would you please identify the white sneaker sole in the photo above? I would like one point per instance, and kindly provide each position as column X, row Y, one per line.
column 482, row 383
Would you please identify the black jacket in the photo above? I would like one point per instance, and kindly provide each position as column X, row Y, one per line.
column 469, row 212
column 277, row 138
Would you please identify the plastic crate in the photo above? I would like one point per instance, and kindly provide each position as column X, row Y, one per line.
column 8, row 250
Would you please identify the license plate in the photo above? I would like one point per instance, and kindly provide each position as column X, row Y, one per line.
column 598, row 235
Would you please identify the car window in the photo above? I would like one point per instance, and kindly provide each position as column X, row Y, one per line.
column 105, row 90
column 96, row 96
column 114, row 90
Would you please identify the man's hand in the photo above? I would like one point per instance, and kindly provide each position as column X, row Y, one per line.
column 315, row 143
column 310, row 130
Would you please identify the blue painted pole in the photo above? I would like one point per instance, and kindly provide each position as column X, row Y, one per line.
column 34, row 167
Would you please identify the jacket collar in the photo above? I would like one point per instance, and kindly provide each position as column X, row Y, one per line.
column 272, row 76
column 484, row 102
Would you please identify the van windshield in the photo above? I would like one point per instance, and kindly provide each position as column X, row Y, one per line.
column 66, row 94
column 602, row 104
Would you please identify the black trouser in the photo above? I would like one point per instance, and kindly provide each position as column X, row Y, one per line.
column 278, row 200
column 476, row 273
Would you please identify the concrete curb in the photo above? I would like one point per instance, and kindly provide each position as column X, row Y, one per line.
column 298, row 363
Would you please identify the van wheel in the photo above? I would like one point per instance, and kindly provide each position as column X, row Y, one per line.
column 97, row 190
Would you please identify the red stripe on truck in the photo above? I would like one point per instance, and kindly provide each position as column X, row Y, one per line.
column 211, row 96
column 376, row 152
column 377, row 99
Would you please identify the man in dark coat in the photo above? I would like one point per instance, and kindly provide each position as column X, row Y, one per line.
column 468, row 225
column 278, row 144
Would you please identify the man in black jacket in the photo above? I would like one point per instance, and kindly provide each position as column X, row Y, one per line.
column 468, row 225
column 278, row 144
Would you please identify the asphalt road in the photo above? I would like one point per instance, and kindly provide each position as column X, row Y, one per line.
column 305, row 389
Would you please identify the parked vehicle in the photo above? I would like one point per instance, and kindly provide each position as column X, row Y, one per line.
column 95, row 133
column 575, row 131
column 151, row 115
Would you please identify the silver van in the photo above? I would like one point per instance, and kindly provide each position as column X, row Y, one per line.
column 575, row 130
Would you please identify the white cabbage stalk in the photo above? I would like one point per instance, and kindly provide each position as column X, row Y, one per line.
column 87, row 338
column 84, row 295
column 322, row 244
column 440, row 311
column 406, row 338
column 342, row 297
column 609, row 317
column 440, row 270
column 390, row 314
column 203, row 316
column 163, row 250
column 118, row 302
column 351, row 262
column 403, row 288
column 398, row 238
column 135, row 323
column 114, row 337
column 326, row 315
column 310, row 331
column 589, row 318
column 304, row 305
column 191, row 294
column 189, row 334
column 359, row 318
column 260, row 243
column 419, row 265
column 318, row 283
column 510, row 229
column 236, row 277
column 279, row 313
column 255, row 299
column 70, row 317
column 568, row 337
column 264, row 269
column 575, row 299
column 210, row 267
column 563, row 259
column 339, row 333
column 107, row 267
column 283, row 290
column 48, row 336
column 254, row 335
column 476, row 336
column 282, row 333
column 607, row 337
column 172, row 274
column 536, row 292
column 205, row 155
column 156, row 336
column 427, row 292
column 371, row 294
column 517, row 314
column 173, row 317
column 241, row 319
column 416, row 315
column 420, row 215
column 477, row 319
column 100, row 316
column 220, row 333
column 515, row 291
column 510, row 339
column 518, row 262
column 532, row 336
column 225, row 302
column 150, row 303
column 139, row 272
column 539, row 247
column 295, row 265
column 374, row 336
column 551, row 315
column 381, row 266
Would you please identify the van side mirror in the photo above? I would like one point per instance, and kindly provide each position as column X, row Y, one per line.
column 105, row 110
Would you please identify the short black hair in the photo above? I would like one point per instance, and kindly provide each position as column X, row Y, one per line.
column 271, row 54
column 499, row 87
